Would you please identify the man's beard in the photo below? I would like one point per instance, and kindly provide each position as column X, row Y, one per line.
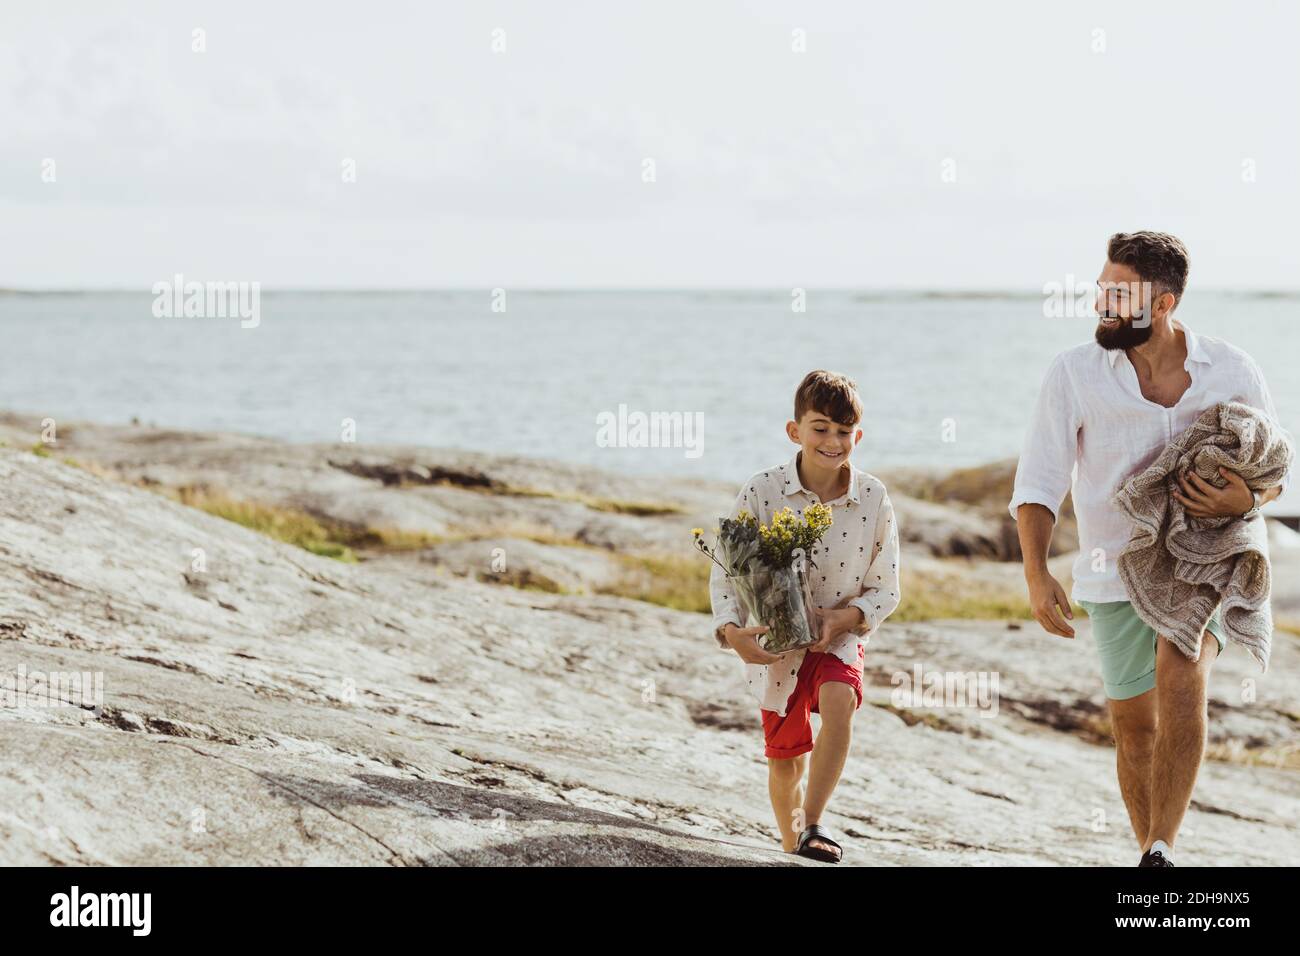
column 1123, row 336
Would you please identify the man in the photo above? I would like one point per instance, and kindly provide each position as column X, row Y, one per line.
column 1110, row 406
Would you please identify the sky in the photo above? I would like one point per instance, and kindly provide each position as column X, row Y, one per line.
column 921, row 145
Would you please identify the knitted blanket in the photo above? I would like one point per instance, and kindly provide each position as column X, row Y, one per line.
column 1178, row 568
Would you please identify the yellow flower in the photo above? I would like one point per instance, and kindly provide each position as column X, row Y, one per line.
column 697, row 531
column 818, row 517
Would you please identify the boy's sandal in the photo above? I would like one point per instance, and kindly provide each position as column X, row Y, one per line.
column 815, row 852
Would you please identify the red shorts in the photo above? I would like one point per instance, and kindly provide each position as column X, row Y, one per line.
column 791, row 735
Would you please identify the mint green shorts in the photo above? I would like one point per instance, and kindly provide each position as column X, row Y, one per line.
column 1127, row 646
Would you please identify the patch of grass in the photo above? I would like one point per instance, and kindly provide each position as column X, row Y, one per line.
column 929, row 604
column 914, row 716
column 595, row 503
column 642, row 509
column 311, row 533
column 94, row 467
column 40, row 450
column 674, row 581
column 519, row 530
column 284, row 524
column 682, row 583
column 329, row 539
column 1284, row 757
column 547, row 536
column 523, row 579
column 928, row 597
column 932, row 597
column 1290, row 625
column 383, row 539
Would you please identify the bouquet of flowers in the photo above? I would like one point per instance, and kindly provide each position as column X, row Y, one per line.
column 766, row 566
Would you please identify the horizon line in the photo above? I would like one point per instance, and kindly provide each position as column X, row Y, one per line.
column 953, row 292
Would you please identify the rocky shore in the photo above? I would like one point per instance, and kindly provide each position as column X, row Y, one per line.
column 471, row 659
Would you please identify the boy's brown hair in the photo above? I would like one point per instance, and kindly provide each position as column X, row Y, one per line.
column 832, row 394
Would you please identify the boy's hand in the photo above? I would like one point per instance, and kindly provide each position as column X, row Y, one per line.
column 832, row 622
column 744, row 641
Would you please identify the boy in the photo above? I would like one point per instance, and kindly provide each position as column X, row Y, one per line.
column 854, row 586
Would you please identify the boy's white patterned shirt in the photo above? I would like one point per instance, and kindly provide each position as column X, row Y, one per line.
column 856, row 564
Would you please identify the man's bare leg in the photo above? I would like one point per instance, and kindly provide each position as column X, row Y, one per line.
column 785, row 787
column 1180, row 734
column 837, row 702
column 1133, row 722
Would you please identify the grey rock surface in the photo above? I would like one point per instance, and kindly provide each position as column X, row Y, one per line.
column 261, row 705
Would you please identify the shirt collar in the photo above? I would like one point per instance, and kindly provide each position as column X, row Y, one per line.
column 792, row 485
column 1195, row 351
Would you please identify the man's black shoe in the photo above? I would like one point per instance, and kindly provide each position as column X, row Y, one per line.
column 1154, row 858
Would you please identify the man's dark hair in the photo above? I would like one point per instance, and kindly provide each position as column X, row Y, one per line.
column 830, row 393
column 1156, row 257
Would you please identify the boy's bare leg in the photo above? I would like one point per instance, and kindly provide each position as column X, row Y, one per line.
column 1133, row 722
column 837, row 702
column 1180, row 734
column 785, row 786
